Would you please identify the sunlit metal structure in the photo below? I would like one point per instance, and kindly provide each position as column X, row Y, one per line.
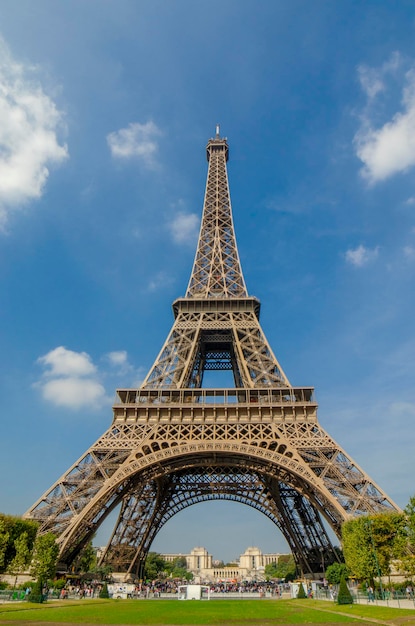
column 173, row 443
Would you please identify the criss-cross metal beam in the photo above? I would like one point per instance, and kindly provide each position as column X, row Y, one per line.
column 153, row 460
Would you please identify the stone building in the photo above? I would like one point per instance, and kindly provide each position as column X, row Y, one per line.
column 250, row 565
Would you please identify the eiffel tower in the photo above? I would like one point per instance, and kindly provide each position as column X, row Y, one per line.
column 173, row 443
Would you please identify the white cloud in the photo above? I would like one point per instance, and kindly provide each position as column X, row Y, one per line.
column 29, row 145
column 118, row 361
column 118, row 357
column 135, row 141
column 388, row 149
column 361, row 256
column 63, row 362
column 74, row 393
column 70, row 379
column 185, row 228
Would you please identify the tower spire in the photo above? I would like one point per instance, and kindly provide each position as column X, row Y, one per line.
column 217, row 270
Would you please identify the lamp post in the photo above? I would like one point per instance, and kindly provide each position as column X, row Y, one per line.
column 322, row 563
column 324, row 570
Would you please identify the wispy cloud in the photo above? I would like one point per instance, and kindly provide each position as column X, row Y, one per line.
column 409, row 253
column 137, row 141
column 118, row 358
column 185, row 228
column 361, row 255
column 29, row 144
column 161, row 280
column 388, row 149
column 118, row 362
column 70, row 379
column 372, row 79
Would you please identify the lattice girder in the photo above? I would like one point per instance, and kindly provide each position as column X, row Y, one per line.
column 217, row 270
column 172, row 427
column 136, row 528
column 280, row 444
column 250, row 356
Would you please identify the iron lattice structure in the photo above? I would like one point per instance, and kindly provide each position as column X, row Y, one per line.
column 173, row 443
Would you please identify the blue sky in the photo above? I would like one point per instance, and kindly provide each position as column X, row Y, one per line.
column 105, row 111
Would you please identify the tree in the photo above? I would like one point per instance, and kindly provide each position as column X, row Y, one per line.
column 154, row 566
column 102, row 571
column 4, row 542
column 22, row 556
column 407, row 565
column 11, row 528
column 43, row 565
column 301, row 592
column 104, row 591
column 180, row 561
column 272, row 570
column 410, row 519
column 87, row 559
column 285, row 567
column 344, row 596
column 407, row 560
column 371, row 543
column 335, row 572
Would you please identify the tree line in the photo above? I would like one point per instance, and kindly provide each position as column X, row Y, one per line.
column 376, row 545
column 22, row 550
column 373, row 546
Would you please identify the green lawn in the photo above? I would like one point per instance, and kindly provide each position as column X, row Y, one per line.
column 224, row 612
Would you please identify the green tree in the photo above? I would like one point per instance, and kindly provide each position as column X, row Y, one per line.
column 285, row 567
column 371, row 543
column 10, row 529
column 154, row 567
column 344, row 596
column 410, row 520
column 178, row 568
column 4, row 542
column 43, row 565
column 102, row 571
column 335, row 572
column 180, row 562
column 407, row 559
column 272, row 570
column 20, row 562
column 104, row 591
column 301, row 592
column 87, row 559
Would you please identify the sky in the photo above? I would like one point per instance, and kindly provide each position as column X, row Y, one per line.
column 105, row 111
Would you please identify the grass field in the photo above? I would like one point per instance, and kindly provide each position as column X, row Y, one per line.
column 223, row 613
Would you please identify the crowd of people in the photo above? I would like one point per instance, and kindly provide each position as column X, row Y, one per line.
column 157, row 588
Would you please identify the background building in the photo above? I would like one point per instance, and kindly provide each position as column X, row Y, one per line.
column 250, row 565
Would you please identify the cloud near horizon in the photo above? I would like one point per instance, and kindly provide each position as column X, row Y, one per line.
column 29, row 126
column 136, row 141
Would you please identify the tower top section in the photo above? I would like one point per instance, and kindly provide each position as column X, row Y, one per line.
column 216, row 144
column 217, row 270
